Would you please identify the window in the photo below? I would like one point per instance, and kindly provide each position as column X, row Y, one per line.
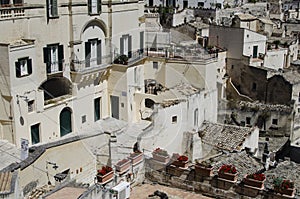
column 125, row 45
column 97, row 108
column 201, row 4
column 83, row 119
column 174, row 119
column 18, row 2
column 94, row 6
column 185, row 4
column 52, row 8
column 248, row 120
column 54, row 58
column 299, row 97
column 155, row 65
column 232, row 66
column 275, row 121
column 35, row 133
column 93, row 52
column 23, row 67
column 30, row 106
column 254, row 86
column 4, row 2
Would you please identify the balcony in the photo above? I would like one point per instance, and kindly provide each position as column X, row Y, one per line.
column 86, row 66
column 7, row 12
column 187, row 53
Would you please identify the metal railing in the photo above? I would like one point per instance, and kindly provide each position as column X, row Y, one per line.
column 89, row 64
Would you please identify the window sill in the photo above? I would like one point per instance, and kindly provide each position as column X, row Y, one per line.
column 53, row 17
column 24, row 76
column 94, row 14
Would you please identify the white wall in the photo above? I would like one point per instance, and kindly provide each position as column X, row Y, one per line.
column 275, row 59
column 253, row 39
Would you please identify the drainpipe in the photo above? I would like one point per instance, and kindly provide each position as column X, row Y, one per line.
column 71, row 34
column 110, row 50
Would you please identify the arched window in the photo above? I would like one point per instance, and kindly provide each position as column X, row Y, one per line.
column 65, row 121
column 196, row 117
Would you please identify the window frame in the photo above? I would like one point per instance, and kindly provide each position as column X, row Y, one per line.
column 90, row 7
column 39, row 133
column 48, row 58
column 30, row 106
column 18, row 66
column 52, row 11
column 88, row 51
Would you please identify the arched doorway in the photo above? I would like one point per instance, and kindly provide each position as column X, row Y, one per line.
column 65, row 121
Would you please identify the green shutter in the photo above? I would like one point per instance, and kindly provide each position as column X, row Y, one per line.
column 97, row 108
column 129, row 46
column 60, row 57
column 18, row 69
column 121, row 46
column 87, row 54
column 99, row 52
column 89, row 6
column 29, row 66
column 54, row 10
column 99, row 6
column 35, row 134
column 47, row 58
column 65, row 122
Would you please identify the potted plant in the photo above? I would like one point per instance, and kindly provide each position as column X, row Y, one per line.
column 228, row 172
column 136, row 157
column 122, row 165
column 122, row 59
column 160, row 155
column 255, row 180
column 105, row 174
column 284, row 186
column 180, row 160
column 204, row 168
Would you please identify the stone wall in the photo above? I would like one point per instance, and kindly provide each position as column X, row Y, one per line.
column 215, row 187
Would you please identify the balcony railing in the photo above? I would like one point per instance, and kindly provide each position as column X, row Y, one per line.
column 84, row 65
column 12, row 13
column 183, row 53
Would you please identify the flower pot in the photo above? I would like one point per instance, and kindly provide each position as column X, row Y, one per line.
column 160, row 158
column 136, row 158
column 178, row 163
column 253, row 183
column 123, row 165
column 289, row 191
column 105, row 178
column 228, row 176
column 204, row 171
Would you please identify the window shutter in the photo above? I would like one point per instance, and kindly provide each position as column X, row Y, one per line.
column 99, row 52
column 47, row 59
column 89, row 6
column 99, row 6
column 121, row 46
column 87, row 54
column 54, row 10
column 18, row 69
column 129, row 46
column 29, row 66
column 60, row 57
column 46, row 54
column 47, row 8
column 142, row 42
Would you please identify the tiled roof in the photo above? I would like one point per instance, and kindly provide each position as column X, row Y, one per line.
column 5, row 182
column 225, row 137
column 243, row 162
